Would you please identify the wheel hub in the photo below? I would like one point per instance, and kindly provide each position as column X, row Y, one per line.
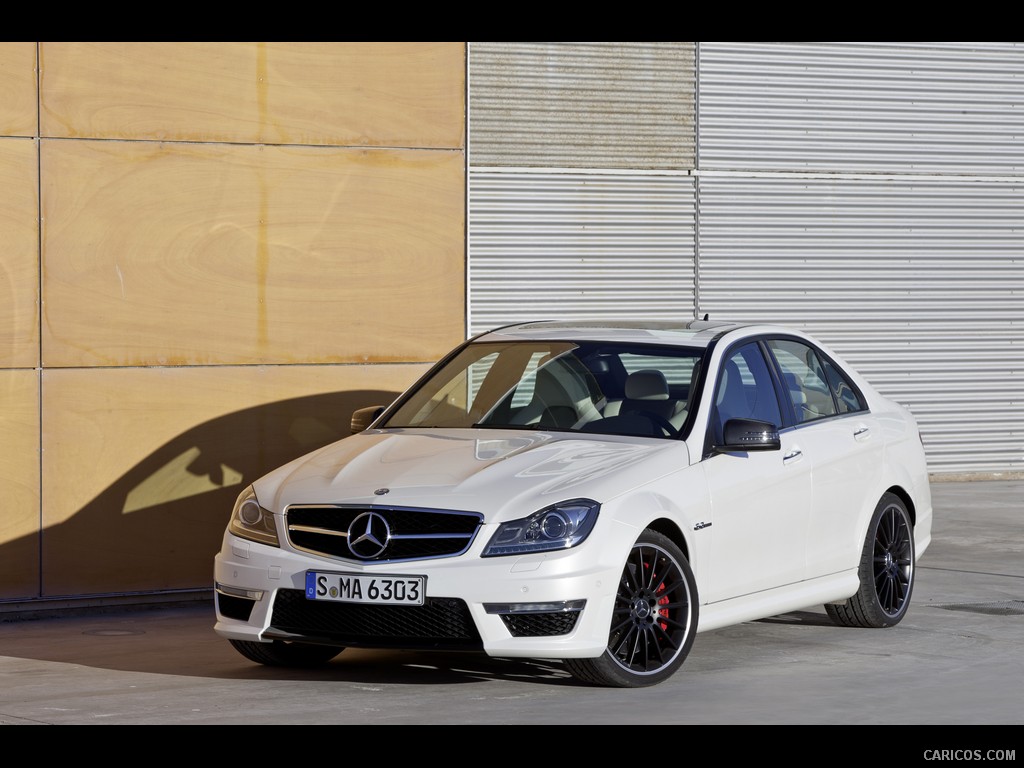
column 889, row 563
column 643, row 609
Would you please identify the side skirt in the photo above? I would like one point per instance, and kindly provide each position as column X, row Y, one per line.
column 835, row 588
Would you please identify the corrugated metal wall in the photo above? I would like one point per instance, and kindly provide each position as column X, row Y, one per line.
column 569, row 240
column 867, row 192
column 897, row 107
column 576, row 245
column 582, row 105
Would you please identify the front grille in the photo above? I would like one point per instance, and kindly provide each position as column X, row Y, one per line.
column 540, row 624
column 380, row 534
column 442, row 623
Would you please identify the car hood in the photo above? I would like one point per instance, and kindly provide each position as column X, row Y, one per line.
column 495, row 472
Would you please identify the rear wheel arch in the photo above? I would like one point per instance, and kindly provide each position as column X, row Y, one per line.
column 886, row 570
column 902, row 494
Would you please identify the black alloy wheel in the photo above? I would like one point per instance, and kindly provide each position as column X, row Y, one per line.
column 886, row 570
column 654, row 620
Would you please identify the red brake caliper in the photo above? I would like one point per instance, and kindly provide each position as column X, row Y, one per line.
column 662, row 601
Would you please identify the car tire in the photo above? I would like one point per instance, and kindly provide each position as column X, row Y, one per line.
column 654, row 620
column 280, row 653
column 886, row 570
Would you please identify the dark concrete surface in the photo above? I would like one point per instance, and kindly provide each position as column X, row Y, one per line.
column 957, row 659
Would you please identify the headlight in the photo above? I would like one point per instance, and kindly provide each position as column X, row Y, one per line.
column 559, row 526
column 251, row 521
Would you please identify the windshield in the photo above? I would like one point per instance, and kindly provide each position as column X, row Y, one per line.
column 609, row 388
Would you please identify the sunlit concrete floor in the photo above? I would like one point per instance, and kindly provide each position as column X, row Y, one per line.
column 957, row 658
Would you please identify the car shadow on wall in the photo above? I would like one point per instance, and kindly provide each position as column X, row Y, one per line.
column 158, row 527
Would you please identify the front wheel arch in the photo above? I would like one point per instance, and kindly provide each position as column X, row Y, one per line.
column 671, row 530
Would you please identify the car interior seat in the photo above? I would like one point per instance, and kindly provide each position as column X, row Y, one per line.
column 647, row 390
column 551, row 402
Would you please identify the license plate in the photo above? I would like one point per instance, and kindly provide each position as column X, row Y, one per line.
column 360, row 588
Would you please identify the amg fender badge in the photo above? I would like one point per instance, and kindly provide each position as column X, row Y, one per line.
column 699, row 526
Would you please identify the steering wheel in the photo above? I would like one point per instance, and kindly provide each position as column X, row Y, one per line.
column 659, row 421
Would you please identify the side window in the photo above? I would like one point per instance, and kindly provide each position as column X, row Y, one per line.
column 745, row 390
column 804, row 380
column 846, row 396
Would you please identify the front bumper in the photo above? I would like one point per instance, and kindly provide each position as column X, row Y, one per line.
column 553, row 605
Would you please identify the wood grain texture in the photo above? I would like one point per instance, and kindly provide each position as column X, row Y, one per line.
column 19, row 478
column 401, row 94
column 18, row 103
column 183, row 254
column 142, row 466
column 19, row 254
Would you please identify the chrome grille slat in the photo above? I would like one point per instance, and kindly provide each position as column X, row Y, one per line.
column 411, row 533
column 314, row 529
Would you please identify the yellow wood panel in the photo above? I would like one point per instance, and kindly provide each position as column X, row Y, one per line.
column 18, row 89
column 185, row 254
column 404, row 94
column 19, row 259
column 142, row 466
column 19, row 478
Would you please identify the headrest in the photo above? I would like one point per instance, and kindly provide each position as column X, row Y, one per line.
column 646, row 385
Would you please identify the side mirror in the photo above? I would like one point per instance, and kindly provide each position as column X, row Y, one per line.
column 749, row 435
column 364, row 417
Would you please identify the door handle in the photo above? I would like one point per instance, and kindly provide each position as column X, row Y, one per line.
column 792, row 457
column 862, row 434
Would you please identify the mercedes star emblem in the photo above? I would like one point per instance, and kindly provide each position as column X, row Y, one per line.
column 368, row 535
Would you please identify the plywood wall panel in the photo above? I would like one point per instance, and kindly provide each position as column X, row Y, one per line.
column 400, row 94
column 142, row 466
column 19, row 478
column 185, row 254
column 18, row 107
column 19, row 254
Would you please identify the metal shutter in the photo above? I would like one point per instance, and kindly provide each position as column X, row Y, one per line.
column 907, row 107
column 582, row 105
column 577, row 246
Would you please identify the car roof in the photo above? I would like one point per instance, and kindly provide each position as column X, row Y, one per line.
column 692, row 333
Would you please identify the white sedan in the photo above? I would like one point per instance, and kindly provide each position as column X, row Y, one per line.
column 598, row 493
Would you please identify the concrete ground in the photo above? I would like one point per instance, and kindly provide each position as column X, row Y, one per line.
column 957, row 659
